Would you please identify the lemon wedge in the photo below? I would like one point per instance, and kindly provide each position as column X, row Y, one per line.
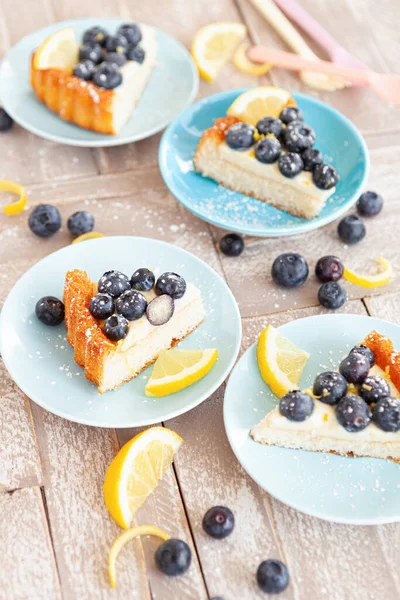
column 15, row 208
column 259, row 102
column 126, row 537
column 245, row 65
column 175, row 370
column 90, row 235
column 281, row 362
column 371, row 281
column 59, row 51
column 213, row 45
column 136, row 470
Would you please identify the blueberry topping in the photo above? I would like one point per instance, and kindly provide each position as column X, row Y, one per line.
column 131, row 32
column 44, row 220
column 299, row 137
column 107, row 76
column 374, row 388
column 272, row 576
column 219, row 522
column 330, row 387
column 291, row 113
column 290, row 270
column 102, row 306
column 116, row 327
column 114, row 283
column 311, row 157
column 136, row 53
column 116, row 58
column 364, row 351
column 6, row 121
column 240, row 136
column 85, row 69
column 332, row 295
column 95, row 34
column 325, row 177
column 231, row 244
column 296, row 406
column 351, row 229
column 116, row 43
column 172, row 284
column 354, row 368
column 268, row 150
column 173, row 557
column 269, row 125
column 386, row 414
column 143, row 280
column 50, row 310
column 160, row 310
column 80, row 222
column 295, row 123
column 131, row 305
column 329, row 268
column 369, row 204
column 91, row 51
column 353, row 413
column 290, row 164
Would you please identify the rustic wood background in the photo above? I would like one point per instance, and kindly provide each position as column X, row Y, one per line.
column 55, row 532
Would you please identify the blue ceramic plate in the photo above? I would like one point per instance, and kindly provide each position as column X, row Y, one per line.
column 172, row 87
column 339, row 141
column 360, row 491
column 41, row 362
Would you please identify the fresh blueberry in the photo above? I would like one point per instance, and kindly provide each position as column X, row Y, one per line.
column 80, row 222
column 116, row 59
column 95, row 34
column 329, row 268
column 354, row 367
column 172, row 284
column 173, row 557
column 231, row 244
column 116, row 327
column 353, row 413
column 50, row 311
column 311, row 157
column 6, row 121
column 332, row 295
column 131, row 305
column 295, row 123
column 270, row 125
column 290, row 270
column 324, row 176
column 131, row 32
column 291, row 113
column 374, row 388
column 114, row 283
column 296, row 406
column 268, row 150
column 272, row 576
column 217, row 598
column 299, row 137
column 85, row 70
column 386, row 414
column 240, row 136
column 365, row 351
column 290, row 164
column 160, row 310
column 107, row 76
column 351, row 229
column 44, row 220
column 143, row 280
column 116, row 43
column 330, row 387
column 136, row 53
column 369, row 204
column 102, row 306
column 91, row 51
column 219, row 522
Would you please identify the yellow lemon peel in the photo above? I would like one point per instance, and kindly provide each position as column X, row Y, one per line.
column 15, row 208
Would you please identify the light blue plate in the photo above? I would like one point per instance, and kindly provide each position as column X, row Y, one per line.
column 360, row 491
column 41, row 362
column 172, row 87
column 337, row 138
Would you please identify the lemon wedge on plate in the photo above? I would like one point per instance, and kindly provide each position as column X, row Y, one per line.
column 371, row 281
column 136, row 470
column 59, row 51
column 245, row 65
column 259, row 102
column 176, row 369
column 281, row 362
column 213, row 45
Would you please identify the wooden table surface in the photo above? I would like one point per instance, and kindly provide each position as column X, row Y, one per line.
column 55, row 532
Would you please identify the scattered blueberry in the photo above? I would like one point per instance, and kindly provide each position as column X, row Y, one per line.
column 365, row 351
column 311, row 157
column 330, row 387
column 272, row 576
column 299, row 137
column 131, row 32
column 219, row 522
column 296, row 406
column 351, row 229
column 329, row 268
column 143, row 280
column 50, row 310
column 107, row 76
column 354, row 368
column 44, row 220
column 374, row 388
column 95, row 34
column 85, row 69
column 231, row 244
column 116, row 58
column 160, row 310
column 332, row 295
column 114, row 283
column 102, row 306
column 172, row 284
column 173, row 557
column 80, row 222
column 353, row 413
column 91, row 51
column 369, row 204
column 270, row 125
column 116, row 43
column 386, row 414
column 131, row 305
column 291, row 113
column 6, row 121
column 290, row 270
column 116, row 327
column 136, row 53
column 325, row 177
column 267, row 150
column 290, row 164
column 240, row 136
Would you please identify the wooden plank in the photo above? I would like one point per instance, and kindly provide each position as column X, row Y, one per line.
column 385, row 307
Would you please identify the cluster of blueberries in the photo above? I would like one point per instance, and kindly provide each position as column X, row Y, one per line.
column 352, row 412
column 101, row 55
column 288, row 133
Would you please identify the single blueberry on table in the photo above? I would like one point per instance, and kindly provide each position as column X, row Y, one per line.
column 374, row 388
column 330, row 387
column 290, row 164
column 272, row 576
column 267, row 150
column 102, row 306
column 291, row 113
column 329, row 268
column 231, row 244
column 386, row 414
column 44, row 220
column 270, row 125
column 353, row 413
column 240, row 136
column 80, row 222
column 50, row 311
column 131, row 305
column 324, row 176
column 354, row 368
column 113, row 283
column 351, row 229
column 290, row 270
column 173, row 557
column 116, row 327
column 296, row 406
column 365, row 351
column 332, row 295
column 219, row 522
column 6, row 121
column 369, row 204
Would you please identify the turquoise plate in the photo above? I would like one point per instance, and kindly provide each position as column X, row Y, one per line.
column 41, row 362
column 172, row 87
column 360, row 491
column 339, row 141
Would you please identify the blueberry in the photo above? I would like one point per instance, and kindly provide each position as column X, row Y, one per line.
column 290, row 164
column 270, row 125
column 291, row 113
column 131, row 32
column 374, row 388
column 296, row 406
column 386, row 414
column 369, row 204
column 240, row 136
column 95, row 34
column 353, row 413
column 324, row 176
column 102, row 306
column 116, row 327
column 160, row 310
column 354, row 368
column 272, row 576
column 330, row 387
column 107, row 76
column 136, row 53
column 173, row 557
column 268, row 150
column 364, row 351
column 217, row 598
column 332, row 295
column 329, row 268
column 85, row 69
column 114, row 283
column 299, row 137
column 50, row 310
column 116, row 43
column 131, row 305
column 351, row 229
column 311, row 157
column 290, row 270
column 219, row 522
column 80, row 222
column 172, row 284
column 116, row 58
column 295, row 123
column 6, row 121
column 143, row 280
column 231, row 244
column 91, row 51
column 44, row 220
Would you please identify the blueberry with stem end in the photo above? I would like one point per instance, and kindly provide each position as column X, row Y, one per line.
column 329, row 268
column 231, row 244
column 332, row 295
column 299, row 137
column 173, row 557
column 44, row 220
column 219, row 522
column 351, row 229
column 272, row 576
column 353, row 413
column 116, row 328
column 364, row 351
column 267, row 150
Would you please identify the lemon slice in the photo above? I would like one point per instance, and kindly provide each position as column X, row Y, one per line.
column 176, row 369
column 371, row 281
column 136, row 470
column 281, row 362
column 126, row 537
column 259, row 102
column 15, row 208
column 59, row 51
column 245, row 65
column 90, row 235
column 213, row 45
